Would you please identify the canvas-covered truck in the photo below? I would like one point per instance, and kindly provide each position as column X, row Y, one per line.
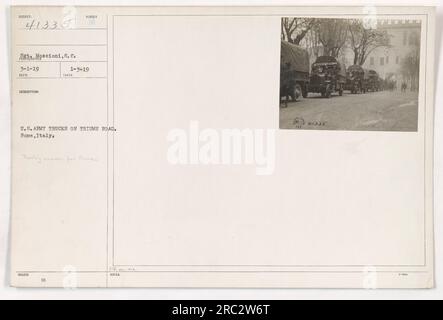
column 356, row 79
column 294, row 71
column 327, row 76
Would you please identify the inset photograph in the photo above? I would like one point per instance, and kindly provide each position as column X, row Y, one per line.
column 349, row 74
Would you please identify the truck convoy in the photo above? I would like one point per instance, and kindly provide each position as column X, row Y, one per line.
column 327, row 75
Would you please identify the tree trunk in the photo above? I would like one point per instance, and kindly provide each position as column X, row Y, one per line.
column 300, row 36
column 356, row 56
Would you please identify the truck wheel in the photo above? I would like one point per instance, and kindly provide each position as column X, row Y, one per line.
column 297, row 91
column 292, row 94
column 304, row 92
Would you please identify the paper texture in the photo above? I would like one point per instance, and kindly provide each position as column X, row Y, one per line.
column 177, row 147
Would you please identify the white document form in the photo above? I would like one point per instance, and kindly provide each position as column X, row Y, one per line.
column 222, row 147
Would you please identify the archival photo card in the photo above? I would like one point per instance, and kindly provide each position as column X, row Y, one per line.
column 350, row 74
column 150, row 148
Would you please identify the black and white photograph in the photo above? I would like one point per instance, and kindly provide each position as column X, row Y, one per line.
column 349, row 74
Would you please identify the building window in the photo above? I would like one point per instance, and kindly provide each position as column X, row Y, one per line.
column 382, row 61
column 387, row 60
column 397, row 60
column 413, row 39
column 371, row 62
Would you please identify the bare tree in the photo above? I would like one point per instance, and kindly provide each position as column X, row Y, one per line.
column 313, row 45
column 363, row 40
column 295, row 29
column 332, row 34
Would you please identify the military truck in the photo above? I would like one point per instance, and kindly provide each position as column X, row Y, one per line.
column 373, row 81
column 356, row 79
column 294, row 72
column 327, row 76
column 381, row 84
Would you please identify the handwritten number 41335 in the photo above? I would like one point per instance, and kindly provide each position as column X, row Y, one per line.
column 49, row 24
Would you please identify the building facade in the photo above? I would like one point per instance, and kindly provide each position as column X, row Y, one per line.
column 405, row 39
